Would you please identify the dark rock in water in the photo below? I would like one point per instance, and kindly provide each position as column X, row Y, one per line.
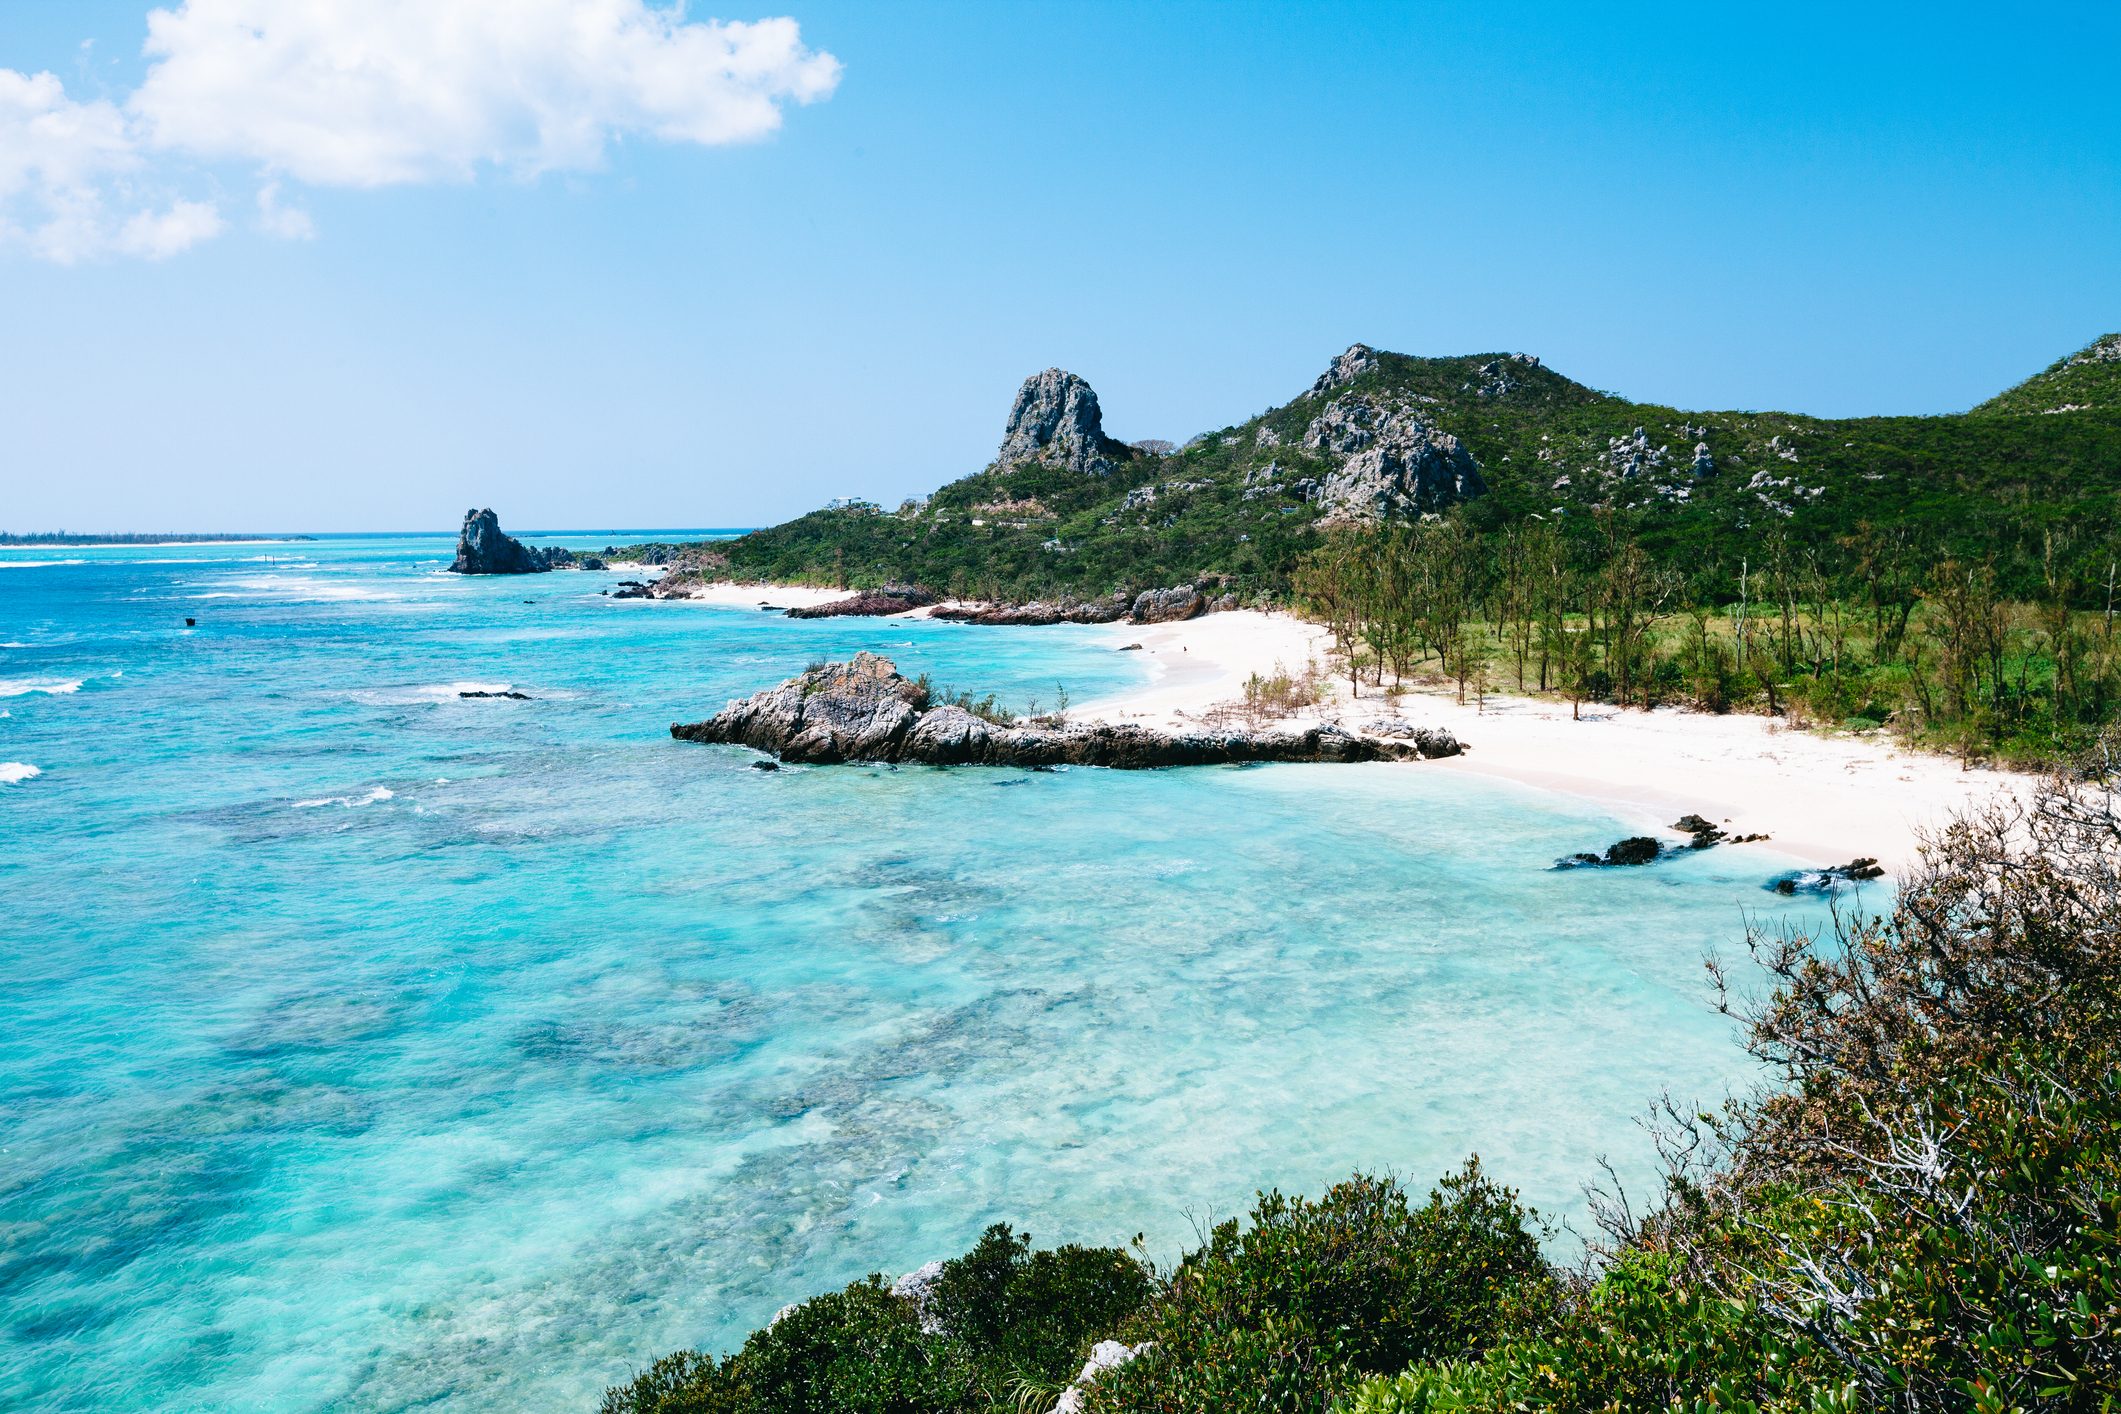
column 1637, row 849
column 865, row 710
column 1705, row 834
column 1124, row 647
column 1825, row 881
column 765, row 765
column 1622, row 854
column 483, row 549
column 514, row 696
column 870, row 603
column 191, row 623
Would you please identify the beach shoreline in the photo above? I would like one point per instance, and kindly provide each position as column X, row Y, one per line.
column 1823, row 797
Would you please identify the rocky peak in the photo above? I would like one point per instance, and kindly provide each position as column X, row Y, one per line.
column 483, row 549
column 2102, row 350
column 1056, row 420
column 1355, row 362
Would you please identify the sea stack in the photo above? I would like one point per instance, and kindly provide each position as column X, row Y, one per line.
column 483, row 549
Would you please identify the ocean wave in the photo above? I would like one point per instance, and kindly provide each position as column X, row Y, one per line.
column 36, row 564
column 348, row 801
column 22, row 687
column 296, row 586
column 14, row 773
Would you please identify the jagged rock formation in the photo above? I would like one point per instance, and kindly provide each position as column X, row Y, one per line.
column 870, row 603
column 1039, row 612
column 865, row 711
column 1151, row 606
column 483, row 549
column 1356, row 361
column 1396, row 462
column 1056, row 420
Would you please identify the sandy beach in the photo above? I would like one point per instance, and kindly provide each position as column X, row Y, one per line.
column 1825, row 798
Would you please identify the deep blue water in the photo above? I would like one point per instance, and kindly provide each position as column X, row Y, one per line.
column 367, row 1048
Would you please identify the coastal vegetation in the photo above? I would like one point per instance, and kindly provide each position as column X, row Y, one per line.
column 1855, row 632
column 1920, row 1210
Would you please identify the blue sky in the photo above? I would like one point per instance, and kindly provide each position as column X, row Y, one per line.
column 1194, row 207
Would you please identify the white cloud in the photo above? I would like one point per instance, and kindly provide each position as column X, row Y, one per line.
column 289, row 223
column 377, row 93
column 157, row 235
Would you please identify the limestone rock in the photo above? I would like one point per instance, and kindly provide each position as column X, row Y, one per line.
column 1056, row 420
column 1395, row 461
column 864, row 710
column 1164, row 606
column 1354, row 362
column 870, row 603
column 483, row 549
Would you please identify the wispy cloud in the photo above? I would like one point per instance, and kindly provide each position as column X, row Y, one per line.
column 382, row 93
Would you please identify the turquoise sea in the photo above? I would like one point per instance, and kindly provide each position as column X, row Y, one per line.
column 363, row 1047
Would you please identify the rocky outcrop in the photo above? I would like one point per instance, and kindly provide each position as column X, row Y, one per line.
column 1039, row 613
column 1055, row 420
column 1151, row 606
column 483, row 549
column 1631, row 852
column 1166, row 606
column 864, row 710
column 1357, row 361
column 1395, row 462
column 870, row 603
column 1105, row 1355
column 1825, row 881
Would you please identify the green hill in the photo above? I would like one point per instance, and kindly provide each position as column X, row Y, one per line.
column 2089, row 380
column 1505, row 441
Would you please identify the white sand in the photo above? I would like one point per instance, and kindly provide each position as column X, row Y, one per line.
column 1826, row 798
column 777, row 596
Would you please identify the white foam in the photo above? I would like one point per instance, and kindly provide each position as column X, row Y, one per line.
column 14, row 773
column 348, row 801
column 36, row 564
column 22, row 687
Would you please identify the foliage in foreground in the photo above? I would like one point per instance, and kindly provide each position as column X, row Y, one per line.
column 998, row 1322
column 1923, row 1213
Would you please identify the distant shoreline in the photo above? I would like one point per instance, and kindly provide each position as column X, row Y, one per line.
column 61, row 540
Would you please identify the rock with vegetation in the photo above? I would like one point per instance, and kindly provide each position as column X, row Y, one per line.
column 864, row 710
column 1056, row 421
column 483, row 549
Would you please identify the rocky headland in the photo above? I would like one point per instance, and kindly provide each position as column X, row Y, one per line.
column 865, row 710
column 482, row 548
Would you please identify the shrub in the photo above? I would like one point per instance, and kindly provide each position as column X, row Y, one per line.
column 1032, row 1316
column 1291, row 1311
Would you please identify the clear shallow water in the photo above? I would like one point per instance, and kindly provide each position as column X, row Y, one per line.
column 365, row 1048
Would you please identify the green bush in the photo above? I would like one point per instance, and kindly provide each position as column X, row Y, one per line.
column 1033, row 1316
column 1292, row 1309
column 997, row 1321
